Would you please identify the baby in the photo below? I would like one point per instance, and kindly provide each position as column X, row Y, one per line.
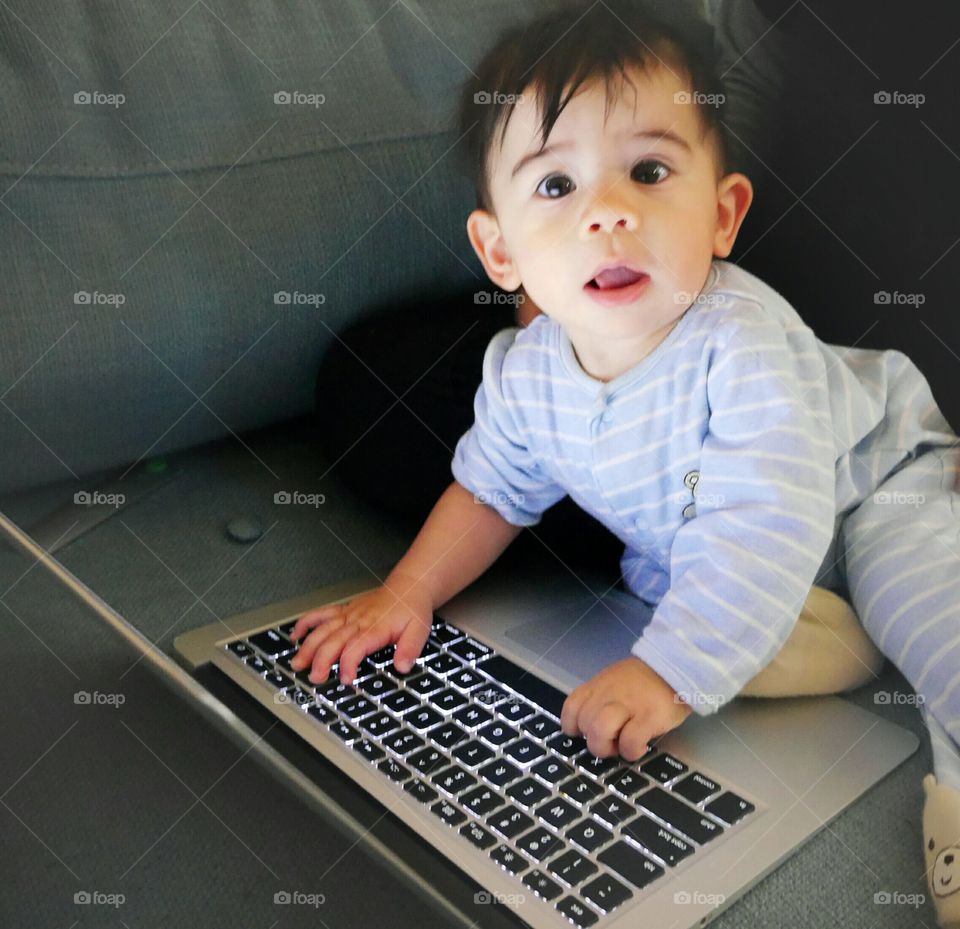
column 674, row 396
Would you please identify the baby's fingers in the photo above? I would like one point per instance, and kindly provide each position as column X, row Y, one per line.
column 363, row 643
column 314, row 617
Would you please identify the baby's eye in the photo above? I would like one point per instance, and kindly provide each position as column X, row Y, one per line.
column 550, row 183
column 644, row 170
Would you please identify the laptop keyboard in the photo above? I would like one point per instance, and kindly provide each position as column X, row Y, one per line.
column 476, row 739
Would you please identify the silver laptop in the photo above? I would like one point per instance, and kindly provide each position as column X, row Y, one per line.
column 467, row 751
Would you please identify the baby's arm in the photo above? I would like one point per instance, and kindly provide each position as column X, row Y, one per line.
column 460, row 539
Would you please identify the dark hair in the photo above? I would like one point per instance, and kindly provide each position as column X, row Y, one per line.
column 575, row 43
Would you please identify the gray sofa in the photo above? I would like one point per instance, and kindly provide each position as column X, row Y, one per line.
column 177, row 264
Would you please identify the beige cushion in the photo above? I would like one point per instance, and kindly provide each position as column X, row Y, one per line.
column 827, row 652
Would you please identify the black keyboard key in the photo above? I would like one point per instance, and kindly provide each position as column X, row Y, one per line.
column 287, row 627
column 445, row 633
column 575, row 910
column 539, row 843
column 661, row 841
column 442, row 665
column 567, row 746
column 515, row 710
column 402, row 742
column 453, row 780
column 497, row 733
column 423, row 718
column 478, row 835
column 423, row 792
column 448, row 700
column 481, row 800
column 321, row 713
column 730, row 808
column 613, row 810
column 509, row 822
column 571, row 867
column 589, row 834
column 627, row 783
column 541, row 727
column 542, row 885
column 256, row 664
column 687, row 820
column 695, row 788
column 333, row 691
column 581, row 789
column 424, row 684
column 447, row 735
column 400, row 701
column 524, row 751
column 528, row 792
column 598, row 767
column 606, row 893
column 393, row 769
column 240, row 649
column 488, row 694
column 368, row 750
column 558, row 813
column 469, row 650
column 448, row 813
column 382, row 656
column 524, row 683
column 552, row 770
column 472, row 716
column 271, row 643
column 344, row 731
column 464, row 680
column 377, row 686
column 500, row 772
column 427, row 760
column 379, row 724
column 472, row 753
column 630, row 863
column 278, row 680
column 509, row 860
column 356, row 707
column 301, row 698
column 664, row 768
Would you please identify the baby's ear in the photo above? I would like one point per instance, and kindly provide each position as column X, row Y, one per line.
column 483, row 230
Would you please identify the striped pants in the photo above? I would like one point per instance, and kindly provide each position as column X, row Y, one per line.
column 901, row 560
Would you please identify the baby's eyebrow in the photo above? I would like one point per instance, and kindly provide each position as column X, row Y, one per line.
column 660, row 135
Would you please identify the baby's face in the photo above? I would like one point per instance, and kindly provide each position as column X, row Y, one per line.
column 640, row 190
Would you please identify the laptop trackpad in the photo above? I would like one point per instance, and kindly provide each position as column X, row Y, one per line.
column 587, row 635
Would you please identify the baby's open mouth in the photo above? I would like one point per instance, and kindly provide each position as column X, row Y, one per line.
column 614, row 278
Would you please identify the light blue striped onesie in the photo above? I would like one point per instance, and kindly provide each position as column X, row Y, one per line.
column 740, row 463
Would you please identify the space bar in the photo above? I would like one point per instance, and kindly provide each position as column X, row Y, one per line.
column 524, row 683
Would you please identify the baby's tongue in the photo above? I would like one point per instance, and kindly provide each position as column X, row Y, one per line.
column 616, row 277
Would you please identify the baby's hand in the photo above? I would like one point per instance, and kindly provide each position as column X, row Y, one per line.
column 622, row 708
column 350, row 631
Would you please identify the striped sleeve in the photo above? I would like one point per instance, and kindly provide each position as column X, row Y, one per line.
column 492, row 459
column 742, row 566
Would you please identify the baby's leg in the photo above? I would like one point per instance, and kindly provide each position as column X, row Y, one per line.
column 902, row 564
